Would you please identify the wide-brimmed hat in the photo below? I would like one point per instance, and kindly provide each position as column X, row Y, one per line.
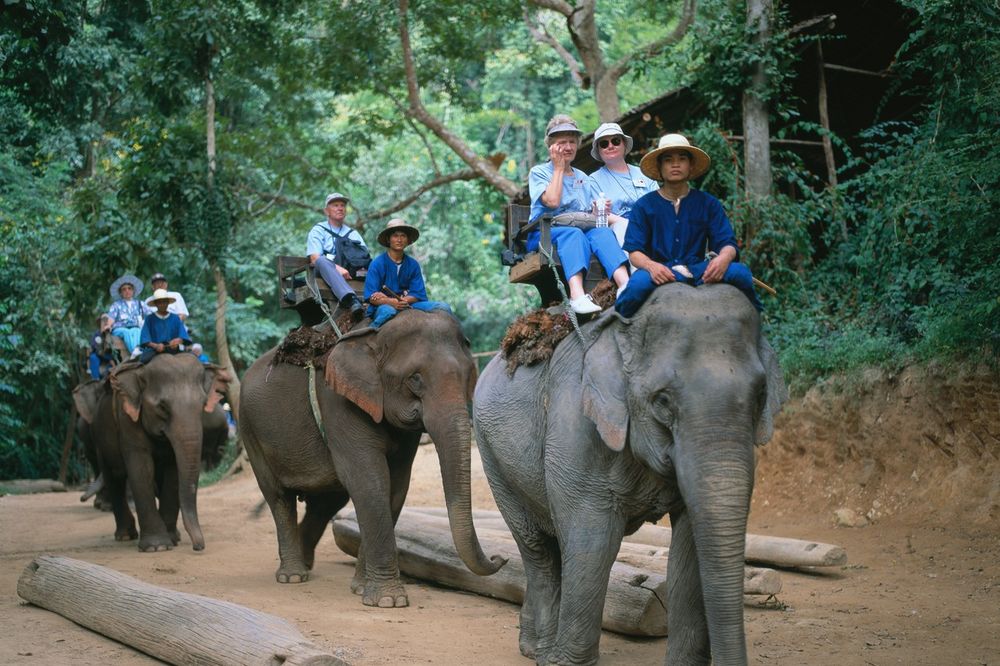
column 336, row 196
column 160, row 295
column 609, row 129
column 397, row 224
column 700, row 161
column 128, row 278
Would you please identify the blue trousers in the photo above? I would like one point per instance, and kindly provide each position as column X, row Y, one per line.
column 130, row 336
column 384, row 313
column 574, row 247
column 641, row 285
column 327, row 270
column 97, row 364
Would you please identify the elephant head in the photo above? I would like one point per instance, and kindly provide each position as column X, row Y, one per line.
column 689, row 385
column 166, row 398
column 417, row 373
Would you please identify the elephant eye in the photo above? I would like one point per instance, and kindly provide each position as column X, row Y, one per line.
column 416, row 384
column 662, row 408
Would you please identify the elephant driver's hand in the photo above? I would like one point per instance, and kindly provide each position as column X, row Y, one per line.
column 400, row 304
column 660, row 273
column 175, row 343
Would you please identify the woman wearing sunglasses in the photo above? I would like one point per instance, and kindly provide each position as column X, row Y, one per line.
column 622, row 184
column 556, row 187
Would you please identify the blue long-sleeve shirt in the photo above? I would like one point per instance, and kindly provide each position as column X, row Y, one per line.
column 164, row 330
column 678, row 238
column 405, row 278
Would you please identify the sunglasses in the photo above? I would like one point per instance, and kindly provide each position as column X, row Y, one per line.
column 613, row 141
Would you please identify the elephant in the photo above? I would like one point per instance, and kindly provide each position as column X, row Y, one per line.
column 380, row 391
column 657, row 414
column 148, row 424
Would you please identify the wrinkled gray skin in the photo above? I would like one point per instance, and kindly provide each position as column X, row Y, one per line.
column 148, row 424
column 655, row 416
column 381, row 391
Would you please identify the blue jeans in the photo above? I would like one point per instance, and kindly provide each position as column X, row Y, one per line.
column 384, row 313
column 641, row 285
column 574, row 247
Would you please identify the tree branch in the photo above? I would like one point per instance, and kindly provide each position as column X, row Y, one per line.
column 280, row 199
column 464, row 174
column 559, row 6
column 618, row 69
column 542, row 36
column 409, row 121
column 478, row 164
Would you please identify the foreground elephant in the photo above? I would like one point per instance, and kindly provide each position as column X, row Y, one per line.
column 381, row 391
column 148, row 424
column 653, row 416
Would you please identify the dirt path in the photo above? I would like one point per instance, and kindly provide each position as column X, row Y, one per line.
column 922, row 587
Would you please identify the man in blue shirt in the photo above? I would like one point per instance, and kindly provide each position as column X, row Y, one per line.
column 670, row 230
column 394, row 281
column 321, row 248
column 162, row 331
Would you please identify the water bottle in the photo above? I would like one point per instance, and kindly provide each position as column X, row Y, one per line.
column 602, row 211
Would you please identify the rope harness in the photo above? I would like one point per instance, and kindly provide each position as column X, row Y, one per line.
column 314, row 401
column 562, row 290
column 314, row 289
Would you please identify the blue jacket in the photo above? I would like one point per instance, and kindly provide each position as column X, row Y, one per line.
column 670, row 238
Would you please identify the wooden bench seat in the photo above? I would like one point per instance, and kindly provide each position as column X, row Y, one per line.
column 294, row 292
column 534, row 268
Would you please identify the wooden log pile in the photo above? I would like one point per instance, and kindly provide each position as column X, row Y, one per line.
column 175, row 627
column 636, row 598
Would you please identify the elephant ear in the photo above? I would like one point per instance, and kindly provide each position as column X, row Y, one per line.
column 604, row 388
column 85, row 397
column 352, row 370
column 216, row 383
column 777, row 393
column 127, row 381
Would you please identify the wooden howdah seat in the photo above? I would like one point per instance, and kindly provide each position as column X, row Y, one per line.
column 294, row 292
column 535, row 268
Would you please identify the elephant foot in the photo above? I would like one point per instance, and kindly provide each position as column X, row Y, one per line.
column 390, row 594
column 126, row 535
column 155, row 544
column 288, row 574
column 175, row 536
column 358, row 585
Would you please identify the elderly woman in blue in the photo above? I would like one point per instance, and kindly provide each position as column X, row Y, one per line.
column 394, row 281
column 621, row 184
column 127, row 313
column 556, row 187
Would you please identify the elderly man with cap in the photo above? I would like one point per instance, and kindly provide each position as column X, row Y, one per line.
column 163, row 331
column 671, row 229
column 556, row 187
column 127, row 312
column 321, row 247
column 620, row 184
column 394, row 281
column 178, row 307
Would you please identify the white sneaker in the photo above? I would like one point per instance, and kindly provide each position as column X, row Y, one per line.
column 584, row 305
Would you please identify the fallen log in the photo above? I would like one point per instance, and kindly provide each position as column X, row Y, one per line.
column 30, row 486
column 635, row 602
column 652, row 560
column 775, row 551
column 174, row 627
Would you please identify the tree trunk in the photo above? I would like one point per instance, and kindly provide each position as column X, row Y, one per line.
column 175, row 627
column 756, row 126
column 633, row 604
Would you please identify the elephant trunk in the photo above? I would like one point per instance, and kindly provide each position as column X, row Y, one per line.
column 187, row 442
column 716, row 484
column 452, row 437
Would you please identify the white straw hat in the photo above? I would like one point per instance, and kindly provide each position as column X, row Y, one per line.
column 700, row 161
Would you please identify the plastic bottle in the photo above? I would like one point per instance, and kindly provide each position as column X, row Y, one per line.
column 602, row 211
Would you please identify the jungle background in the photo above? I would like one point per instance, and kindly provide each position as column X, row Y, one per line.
column 198, row 138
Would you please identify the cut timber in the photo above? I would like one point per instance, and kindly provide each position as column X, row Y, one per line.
column 776, row 551
column 635, row 602
column 29, row 486
column 175, row 627
column 652, row 560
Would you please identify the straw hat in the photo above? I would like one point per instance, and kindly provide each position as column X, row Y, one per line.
column 397, row 224
column 128, row 278
column 160, row 295
column 700, row 161
column 609, row 129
